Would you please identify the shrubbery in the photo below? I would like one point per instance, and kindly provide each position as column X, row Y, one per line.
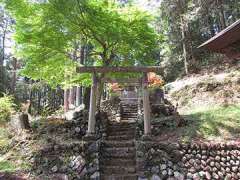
column 6, row 108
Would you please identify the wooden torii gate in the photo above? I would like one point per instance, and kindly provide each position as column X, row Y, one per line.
column 144, row 80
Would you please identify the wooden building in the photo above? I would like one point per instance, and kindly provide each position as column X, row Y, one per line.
column 226, row 42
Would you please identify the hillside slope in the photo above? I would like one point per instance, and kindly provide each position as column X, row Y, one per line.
column 206, row 90
column 210, row 104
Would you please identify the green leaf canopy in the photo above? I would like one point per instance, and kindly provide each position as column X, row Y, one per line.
column 46, row 33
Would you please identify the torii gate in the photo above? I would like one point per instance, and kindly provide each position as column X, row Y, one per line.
column 144, row 80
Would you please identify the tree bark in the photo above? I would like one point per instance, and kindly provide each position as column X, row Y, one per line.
column 2, row 58
column 99, row 94
column 221, row 14
column 14, row 78
column 79, row 93
column 24, row 122
column 39, row 101
column 66, row 103
column 71, row 96
column 183, row 28
column 210, row 23
column 86, row 98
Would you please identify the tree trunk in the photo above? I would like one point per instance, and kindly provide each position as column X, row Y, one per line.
column 99, row 94
column 39, row 102
column 24, row 122
column 184, row 45
column 78, row 96
column 31, row 100
column 14, row 78
column 221, row 14
column 86, row 98
column 66, row 103
column 2, row 58
column 71, row 96
column 210, row 24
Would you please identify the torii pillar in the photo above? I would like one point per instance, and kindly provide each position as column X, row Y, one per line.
column 92, row 107
column 146, row 106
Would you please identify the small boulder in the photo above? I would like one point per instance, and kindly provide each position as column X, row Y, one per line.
column 54, row 169
column 155, row 177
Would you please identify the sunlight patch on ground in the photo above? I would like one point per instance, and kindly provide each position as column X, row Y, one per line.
column 214, row 122
column 189, row 81
column 6, row 166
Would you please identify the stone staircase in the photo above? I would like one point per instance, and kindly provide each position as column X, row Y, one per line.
column 118, row 153
column 129, row 112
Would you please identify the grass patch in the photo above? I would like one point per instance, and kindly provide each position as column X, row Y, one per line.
column 213, row 122
column 4, row 138
column 7, row 166
column 11, row 159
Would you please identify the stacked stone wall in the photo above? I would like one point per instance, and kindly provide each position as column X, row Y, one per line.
column 188, row 161
column 66, row 154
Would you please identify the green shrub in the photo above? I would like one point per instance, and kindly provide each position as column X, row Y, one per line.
column 6, row 108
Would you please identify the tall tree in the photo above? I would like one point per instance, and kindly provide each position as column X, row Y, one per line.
column 46, row 32
column 5, row 25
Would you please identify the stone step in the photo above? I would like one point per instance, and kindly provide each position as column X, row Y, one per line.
column 121, row 128
column 130, row 110
column 127, row 112
column 132, row 114
column 118, row 162
column 127, row 103
column 119, row 149
column 118, row 169
column 121, row 124
column 121, row 155
column 120, row 137
column 118, row 126
column 119, row 177
column 124, row 108
column 108, row 143
column 127, row 120
column 129, row 116
column 117, row 133
column 129, row 107
column 132, row 119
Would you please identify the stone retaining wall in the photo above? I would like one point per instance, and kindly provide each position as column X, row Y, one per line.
column 70, row 156
column 112, row 108
column 188, row 161
column 68, row 161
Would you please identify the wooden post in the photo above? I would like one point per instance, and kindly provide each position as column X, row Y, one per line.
column 71, row 97
column 92, row 108
column 78, row 96
column 146, row 106
column 66, row 103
